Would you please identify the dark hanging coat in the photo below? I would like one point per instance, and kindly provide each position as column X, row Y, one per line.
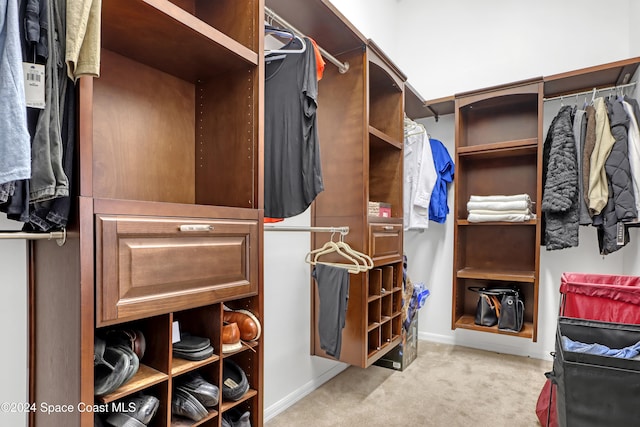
column 620, row 205
column 560, row 208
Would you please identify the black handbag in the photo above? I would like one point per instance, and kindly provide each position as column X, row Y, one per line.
column 502, row 306
column 487, row 309
column 512, row 311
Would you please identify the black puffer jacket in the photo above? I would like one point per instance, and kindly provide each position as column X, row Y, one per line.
column 621, row 204
column 560, row 208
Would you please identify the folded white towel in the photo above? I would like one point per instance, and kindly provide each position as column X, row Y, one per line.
column 498, row 206
column 499, row 217
column 501, row 198
column 494, row 212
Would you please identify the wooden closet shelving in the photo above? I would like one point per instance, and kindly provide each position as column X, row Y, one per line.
column 360, row 121
column 169, row 219
column 498, row 151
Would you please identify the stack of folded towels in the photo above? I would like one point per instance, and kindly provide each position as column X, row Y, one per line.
column 513, row 208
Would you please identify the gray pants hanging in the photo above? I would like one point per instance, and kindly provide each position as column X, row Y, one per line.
column 333, row 291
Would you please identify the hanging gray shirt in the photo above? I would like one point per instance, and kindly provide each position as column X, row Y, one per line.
column 292, row 171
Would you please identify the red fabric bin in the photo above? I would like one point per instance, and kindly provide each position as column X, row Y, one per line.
column 604, row 297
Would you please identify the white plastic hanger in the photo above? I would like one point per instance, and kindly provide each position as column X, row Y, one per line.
column 358, row 262
column 287, row 35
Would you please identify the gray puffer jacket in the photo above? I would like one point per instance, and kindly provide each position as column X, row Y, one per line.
column 560, row 208
column 621, row 204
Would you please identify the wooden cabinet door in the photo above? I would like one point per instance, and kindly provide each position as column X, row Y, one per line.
column 152, row 265
column 385, row 241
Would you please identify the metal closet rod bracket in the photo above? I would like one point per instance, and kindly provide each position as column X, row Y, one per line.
column 59, row 236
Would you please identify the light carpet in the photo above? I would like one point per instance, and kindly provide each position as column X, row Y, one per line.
column 446, row 386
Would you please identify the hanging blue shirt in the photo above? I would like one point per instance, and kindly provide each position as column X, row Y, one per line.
column 438, row 207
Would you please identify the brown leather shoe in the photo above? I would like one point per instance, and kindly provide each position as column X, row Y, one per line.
column 247, row 322
column 231, row 338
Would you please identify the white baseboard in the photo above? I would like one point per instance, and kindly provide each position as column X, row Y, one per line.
column 301, row 392
column 483, row 345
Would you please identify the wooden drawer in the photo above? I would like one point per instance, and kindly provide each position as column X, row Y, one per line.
column 152, row 265
column 385, row 243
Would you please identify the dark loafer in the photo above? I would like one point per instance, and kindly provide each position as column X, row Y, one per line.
column 134, row 362
column 206, row 393
column 119, row 419
column 185, row 405
column 112, row 374
column 234, row 381
column 139, row 410
column 235, row 418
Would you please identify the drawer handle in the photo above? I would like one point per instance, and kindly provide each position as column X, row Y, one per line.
column 388, row 227
column 196, row 227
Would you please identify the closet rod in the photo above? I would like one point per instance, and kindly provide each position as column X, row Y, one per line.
column 60, row 236
column 343, row 67
column 342, row 230
column 590, row 92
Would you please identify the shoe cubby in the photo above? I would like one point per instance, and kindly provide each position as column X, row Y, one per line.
column 397, row 302
column 387, row 307
column 128, row 406
column 375, row 282
column 388, row 278
column 396, row 326
column 374, row 313
column 153, row 366
column 374, row 343
column 202, row 322
column 386, row 333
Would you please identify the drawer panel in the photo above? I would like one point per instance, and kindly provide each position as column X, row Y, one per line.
column 385, row 241
column 149, row 266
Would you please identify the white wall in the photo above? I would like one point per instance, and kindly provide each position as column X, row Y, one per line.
column 13, row 325
column 290, row 372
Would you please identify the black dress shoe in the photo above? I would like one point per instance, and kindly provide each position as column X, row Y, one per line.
column 185, row 405
column 206, row 393
column 235, row 418
column 112, row 371
column 141, row 408
column 234, row 381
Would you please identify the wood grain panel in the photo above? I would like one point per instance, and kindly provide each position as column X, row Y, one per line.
column 342, row 128
column 144, row 133
column 205, row 266
column 385, row 243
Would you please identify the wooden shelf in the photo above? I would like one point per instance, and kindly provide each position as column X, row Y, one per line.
column 380, row 138
column 502, row 275
column 467, row 322
column 170, row 39
column 375, row 354
column 372, row 326
column 246, row 345
column 180, row 366
column 501, row 149
column 184, row 422
column 605, row 75
column 464, row 222
column 144, row 378
column 225, row 406
column 416, row 107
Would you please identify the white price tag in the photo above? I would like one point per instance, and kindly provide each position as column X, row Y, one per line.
column 175, row 333
column 34, row 84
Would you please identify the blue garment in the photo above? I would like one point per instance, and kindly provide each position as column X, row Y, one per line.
column 599, row 349
column 15, row 148
column 438, row 207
